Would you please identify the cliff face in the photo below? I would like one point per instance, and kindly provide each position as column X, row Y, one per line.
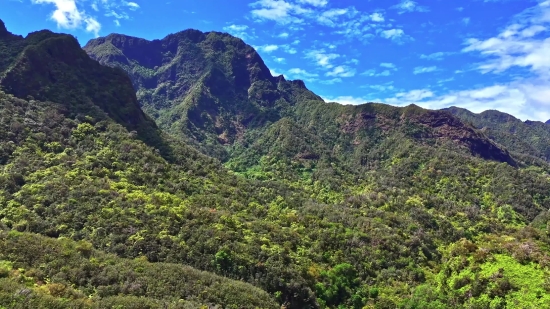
column 208, row 88
column 531, row 138
column 214, row 90
column 53, row 67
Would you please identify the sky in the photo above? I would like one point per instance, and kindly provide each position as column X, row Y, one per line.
column 475, row 54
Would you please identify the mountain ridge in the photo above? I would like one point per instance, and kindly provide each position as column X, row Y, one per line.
column 528, row 137
column 222, row 118
column 206, row 86
column 317, row 205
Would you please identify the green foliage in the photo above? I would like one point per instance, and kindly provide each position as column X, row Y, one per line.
column 529, row 140
column 67, row 269
column 318, row 205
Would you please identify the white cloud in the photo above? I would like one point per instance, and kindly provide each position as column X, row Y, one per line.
column 381, row 87
column 396, row 35
column 435, row 56
column 280, row 11
column 388, row 65
column 235, row 28
column 275, row 73
column 288, row 49
column 420, row 70
column 322, row 58
column 267, row 48
column 297, row 73
column 466, row 20
column 318, row 3
column 392, row 33
column 373, row 72
column 279, row 60
column 331, row 81
column 341, row 71
column 132, row 5
column 346, row 100
column 330, row 17
column 377, row 17
column 409, row 6
column 283, row 35
column 240, row 31
column 524, row 44
column 68, row 16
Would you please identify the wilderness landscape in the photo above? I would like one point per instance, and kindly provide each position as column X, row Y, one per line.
column 180, row 173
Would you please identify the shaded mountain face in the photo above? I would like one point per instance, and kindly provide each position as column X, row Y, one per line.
column 207, row 87
column 53, row 67
column 214, row 90
column 530, row 138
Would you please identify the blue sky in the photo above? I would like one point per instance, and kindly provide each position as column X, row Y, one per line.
column 477, row 54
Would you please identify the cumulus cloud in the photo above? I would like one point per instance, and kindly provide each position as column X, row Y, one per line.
column 407, row 6
column 68, row 16
column 388, row 65
column 299, row 14
column 297, row 73
column 377, row 17
column 132, row 5
column 322, row 58
column 341, row 71
column 373, row 72
column 346, row 100
column 240, row 31
column 420, row 70
column 524, row 44
column 280, row 11
column 267, row 48
column 396, row 35
column 318, row 3
column 435, row 56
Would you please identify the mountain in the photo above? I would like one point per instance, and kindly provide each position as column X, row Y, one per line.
column 313, row 205
column 530, row 137
column 212, row 88
column 208, row 87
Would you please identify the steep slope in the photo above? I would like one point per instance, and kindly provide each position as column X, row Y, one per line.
column 53, row 67
column 530, row 137
column 215, row 90
column 347, row 207
column 209, row 87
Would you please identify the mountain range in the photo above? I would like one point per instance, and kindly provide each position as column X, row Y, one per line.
column 180, row 173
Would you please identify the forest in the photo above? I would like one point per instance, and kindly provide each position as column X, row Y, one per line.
column 185, row 175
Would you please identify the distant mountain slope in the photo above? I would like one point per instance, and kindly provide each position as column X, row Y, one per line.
column 529, row 137
column 208, row 87
column 213, row 89
column 49, row 66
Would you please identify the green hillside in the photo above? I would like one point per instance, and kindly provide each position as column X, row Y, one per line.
column 305, row 204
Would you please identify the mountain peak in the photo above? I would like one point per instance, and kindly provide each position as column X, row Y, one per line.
column 53, row 67
column 3, row 29
column 202, row 85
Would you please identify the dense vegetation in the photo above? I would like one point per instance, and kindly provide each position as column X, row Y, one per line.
column 316, row 206
column 530, row 137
